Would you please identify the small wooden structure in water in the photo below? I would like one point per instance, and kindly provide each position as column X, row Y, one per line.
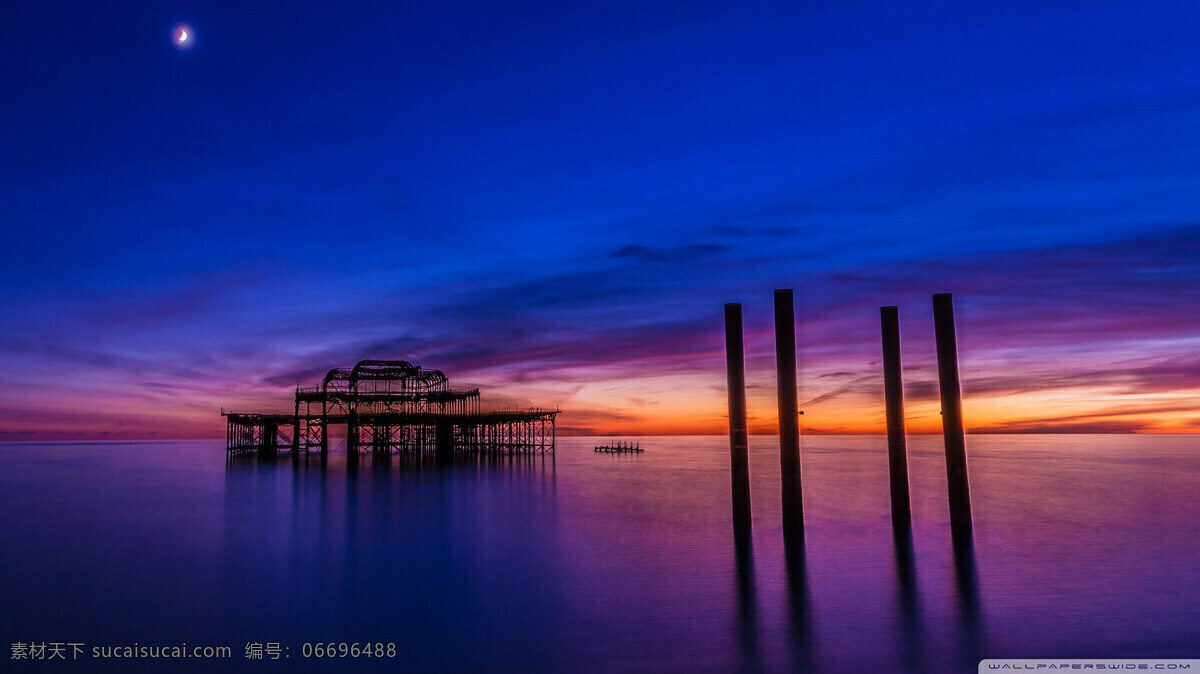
column 391, row 406
column 620, row 448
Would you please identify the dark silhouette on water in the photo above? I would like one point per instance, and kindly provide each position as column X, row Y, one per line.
column 792, row 491
column 907, row 600
column 620, row 447
column 799, row 604
column 735, row 363
column 747, row 593
column 791, row 487
column 893, row 386
column 967, row 585
column 391, row 406
column 952, row 422
column 381, row 462
column 793, row 513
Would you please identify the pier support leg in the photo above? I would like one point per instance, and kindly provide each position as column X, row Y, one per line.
column 352, row 440
column 735, row 361
column 296, row 432
column 444, row 443
column 952, row 425
column 789, row 413
column 296, row 437
column 893, row 391
column 268, row 440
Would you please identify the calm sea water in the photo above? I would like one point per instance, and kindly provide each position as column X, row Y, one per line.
column 1085, row 546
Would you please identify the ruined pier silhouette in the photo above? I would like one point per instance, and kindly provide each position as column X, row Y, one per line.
column 620, row 447
column 391, row 406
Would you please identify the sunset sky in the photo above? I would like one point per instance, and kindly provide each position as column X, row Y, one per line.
column 553, row 201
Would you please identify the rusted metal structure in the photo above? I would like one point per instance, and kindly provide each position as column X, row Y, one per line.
column 391, row 406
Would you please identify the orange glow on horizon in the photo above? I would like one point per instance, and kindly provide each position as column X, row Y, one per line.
column 1077, row 410
column 671, row 405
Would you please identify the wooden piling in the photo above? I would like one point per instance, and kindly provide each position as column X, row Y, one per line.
column 952, row 425
column 789, row 415
column 893, row 387
column 735, row 363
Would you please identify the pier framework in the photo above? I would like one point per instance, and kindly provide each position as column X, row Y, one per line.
column 391, row 406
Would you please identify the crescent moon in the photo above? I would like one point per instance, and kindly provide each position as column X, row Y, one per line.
column 183, row 36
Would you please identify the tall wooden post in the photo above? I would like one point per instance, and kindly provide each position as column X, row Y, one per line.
column 789, row 413
column 893, row 388
column 952, row 424
column 735, row 362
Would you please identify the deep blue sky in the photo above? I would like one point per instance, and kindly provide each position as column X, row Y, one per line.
column 553, row 201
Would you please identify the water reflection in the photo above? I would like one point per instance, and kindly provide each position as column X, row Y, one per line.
column 384, row 461
column 799, row 603
column 906, row 588
column 967, row 587
column 381, row 462
column 747, row 599
column 625, row 565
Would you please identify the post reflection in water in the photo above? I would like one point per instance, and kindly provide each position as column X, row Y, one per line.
column 799, row 605
column 747, row 604
column 967, row 586
column 906, row 590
